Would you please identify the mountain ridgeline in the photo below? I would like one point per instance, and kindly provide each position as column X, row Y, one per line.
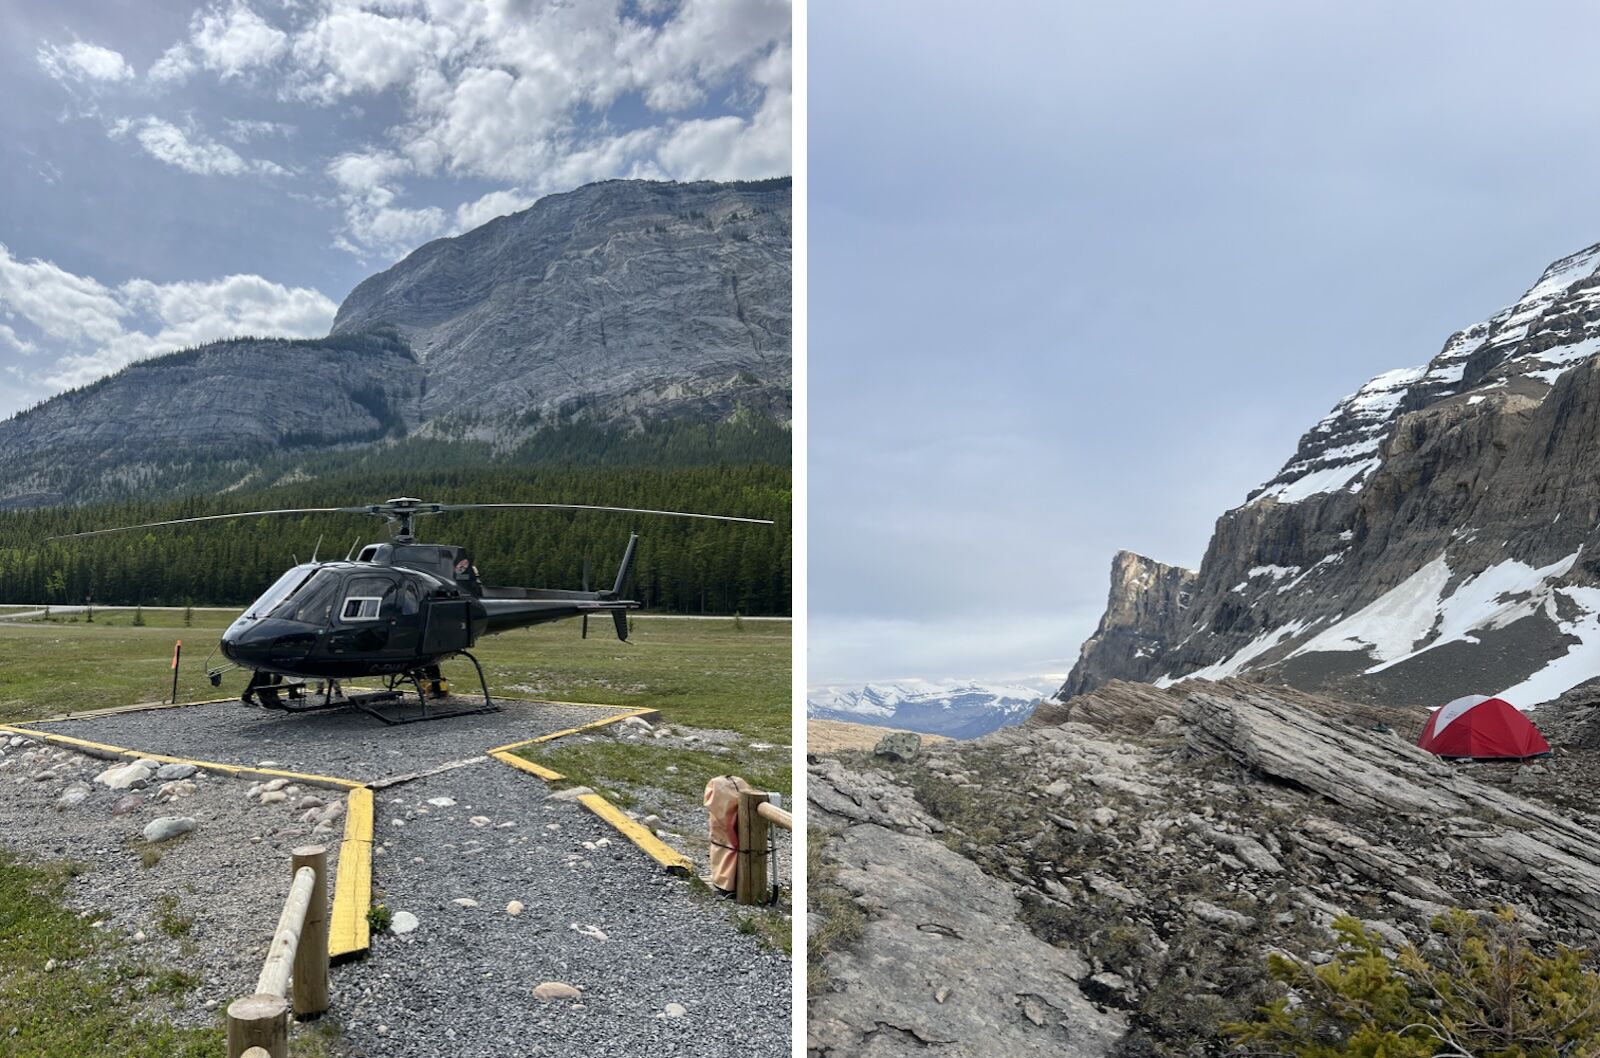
column 1435, row 535
column 624, row 321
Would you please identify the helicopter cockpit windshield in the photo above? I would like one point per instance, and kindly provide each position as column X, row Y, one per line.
column 312, row 601
column 281, row 589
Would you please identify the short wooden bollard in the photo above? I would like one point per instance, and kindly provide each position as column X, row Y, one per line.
column 311, row 956
column 255, row 1052
column 261, row 1023
column 751, row 886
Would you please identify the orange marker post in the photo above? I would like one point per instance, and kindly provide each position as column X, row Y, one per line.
column 177, row 651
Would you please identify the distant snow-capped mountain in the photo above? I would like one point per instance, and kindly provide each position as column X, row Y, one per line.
column 959, row 710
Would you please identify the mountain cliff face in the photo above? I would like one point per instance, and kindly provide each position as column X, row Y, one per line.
column 618, row 305
column 1434, row 535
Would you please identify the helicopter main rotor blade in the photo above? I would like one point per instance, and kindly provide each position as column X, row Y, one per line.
column 593, row 507
column 213, row 518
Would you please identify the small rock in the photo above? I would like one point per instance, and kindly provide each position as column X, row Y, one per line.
column 548, row 990
column 272, row 797
column 49, row 966
column 571, row 793
column 403, row 922
column 514, row 908
column 126, row 776
column 167, row 827
column 171, row 772
column 480, row 821
column 465, row 901
column 127, row 804
column 1103, row 816
column 593, row 932
column 442, row 802
column 274, row 785
column 72, row 796
column 309, row 801
column 172, row 791
column 139, row 937
column 674, row 1010
column 899, row 745
column 44, row 776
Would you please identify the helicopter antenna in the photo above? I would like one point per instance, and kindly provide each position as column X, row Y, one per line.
column 314, row 549
column 353, row 549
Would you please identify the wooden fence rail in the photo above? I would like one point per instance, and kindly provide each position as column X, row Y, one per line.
column 258, row 1025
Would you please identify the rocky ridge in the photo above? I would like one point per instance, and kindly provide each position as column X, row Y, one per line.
column 618, row 305
column 1432, row 536
column 1156, row 845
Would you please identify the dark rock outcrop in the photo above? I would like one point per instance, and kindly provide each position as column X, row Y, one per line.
column 1166, row 841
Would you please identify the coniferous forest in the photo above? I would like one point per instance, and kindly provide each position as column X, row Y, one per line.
column 682, row 565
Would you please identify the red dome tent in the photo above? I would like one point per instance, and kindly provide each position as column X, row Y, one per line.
column 1482, row 728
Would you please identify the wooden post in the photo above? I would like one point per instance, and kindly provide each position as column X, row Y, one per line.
column 775, row 815
column 752, row 880
column 260, row 1022
column 255, row 1052
column 311, row 956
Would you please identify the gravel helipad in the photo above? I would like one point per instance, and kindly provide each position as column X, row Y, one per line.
column 658, row 963
column 343, row 743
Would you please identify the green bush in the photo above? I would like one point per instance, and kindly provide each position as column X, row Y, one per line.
column 1479, row 991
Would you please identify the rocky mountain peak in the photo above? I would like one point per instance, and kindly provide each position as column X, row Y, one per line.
column 1434, row 511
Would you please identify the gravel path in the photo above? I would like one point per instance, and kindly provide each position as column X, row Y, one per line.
column 343, row 743
column 598, row 916
column 227, row 878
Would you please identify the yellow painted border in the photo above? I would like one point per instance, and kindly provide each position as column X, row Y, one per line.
column 658, row 850
column 510, row 746
column 102, row 749
column 137, row 707
column 523, row 764
column 348, row 931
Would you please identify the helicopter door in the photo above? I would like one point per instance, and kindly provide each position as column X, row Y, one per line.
column 364, row 616
column 405, row 625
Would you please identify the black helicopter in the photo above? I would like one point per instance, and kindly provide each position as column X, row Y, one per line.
column 394, row 611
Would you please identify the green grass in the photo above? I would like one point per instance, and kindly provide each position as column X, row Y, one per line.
column 78, row 1007
column 703, row 673
column 700, row 673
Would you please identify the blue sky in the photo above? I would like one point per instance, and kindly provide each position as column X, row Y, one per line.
column 1081, row 274
column 172, row 173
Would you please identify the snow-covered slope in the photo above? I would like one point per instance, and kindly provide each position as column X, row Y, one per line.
column 960, row 710
column 1434, row 535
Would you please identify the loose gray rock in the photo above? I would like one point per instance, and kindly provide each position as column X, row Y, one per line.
column 899, row 745
column 170, row 772
column 167, row 827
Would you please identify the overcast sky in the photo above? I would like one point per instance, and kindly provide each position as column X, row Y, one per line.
column 172, row 173
column 1081, row 274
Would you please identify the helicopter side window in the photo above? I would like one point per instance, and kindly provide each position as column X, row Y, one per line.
column 409, row 604
column 367, row 599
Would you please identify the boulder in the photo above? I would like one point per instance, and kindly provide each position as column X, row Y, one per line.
column 899, row 745
column 166, row 828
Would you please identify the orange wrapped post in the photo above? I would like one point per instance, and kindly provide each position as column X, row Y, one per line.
column 722, row 812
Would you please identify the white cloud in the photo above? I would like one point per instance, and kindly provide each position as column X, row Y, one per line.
column 94, row 329
column 243, row 130
column 234, row 40
column 190, row 150
column 80, row 61
column 175, row 66
column 368, row 189
column 352, row 51
column 481, row 211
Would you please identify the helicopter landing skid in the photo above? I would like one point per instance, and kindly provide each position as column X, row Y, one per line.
column 398, row 710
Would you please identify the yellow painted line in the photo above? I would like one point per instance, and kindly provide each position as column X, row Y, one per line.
column 572, row 730
column 348, row 932
column 528, row 766
column 101, row 748
column 658, row 850
column 139, row 707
